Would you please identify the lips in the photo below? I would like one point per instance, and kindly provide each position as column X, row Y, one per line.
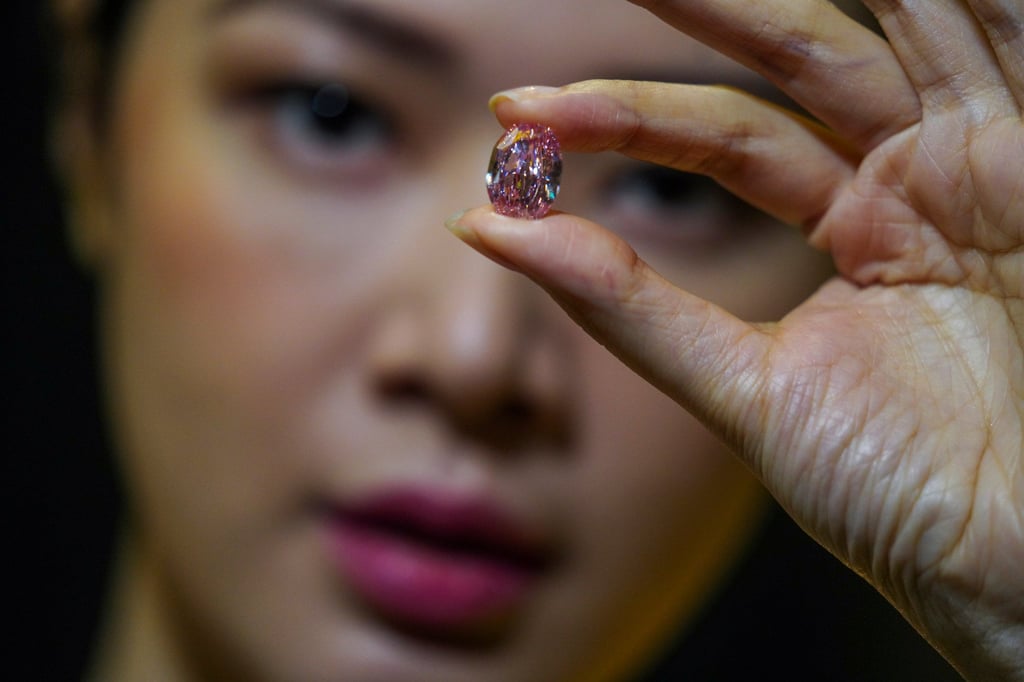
column 433, row 559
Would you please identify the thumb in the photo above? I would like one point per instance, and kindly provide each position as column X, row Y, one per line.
column 706, row 359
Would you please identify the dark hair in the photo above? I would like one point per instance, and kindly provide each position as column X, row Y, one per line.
column 83, row 52
column 108, row 23
column 107, row 28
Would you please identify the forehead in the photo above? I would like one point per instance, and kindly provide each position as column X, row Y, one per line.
column 558, row 37
column 524, row 41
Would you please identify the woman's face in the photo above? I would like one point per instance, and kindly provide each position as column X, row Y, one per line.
column 355, row 449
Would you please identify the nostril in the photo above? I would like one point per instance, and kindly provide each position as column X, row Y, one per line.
column 501, row 420
column 516, row 412
column 507, row 413
column 403, row 390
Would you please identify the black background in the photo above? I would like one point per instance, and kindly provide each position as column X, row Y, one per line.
column 60, row 497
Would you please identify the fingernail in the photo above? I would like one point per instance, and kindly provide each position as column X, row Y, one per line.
column 456, row 227
column 519, row 94
column 472, row 239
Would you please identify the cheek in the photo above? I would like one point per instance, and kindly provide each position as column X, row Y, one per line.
column 656, row 467
column 661, row 510
column 232, row 271
column 197, row 286
column 188, row 310
column 227, row 296
column 662, row 496
column 761, row 277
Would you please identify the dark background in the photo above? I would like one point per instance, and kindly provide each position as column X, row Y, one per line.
column 791, row 613
column 59, row 495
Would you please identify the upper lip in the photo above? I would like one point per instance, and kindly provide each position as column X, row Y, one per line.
column 454, row 522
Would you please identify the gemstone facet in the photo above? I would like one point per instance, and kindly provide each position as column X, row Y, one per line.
column 525, row 171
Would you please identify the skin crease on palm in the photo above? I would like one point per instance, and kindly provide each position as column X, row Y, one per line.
column 885, row 413
column 286, row 324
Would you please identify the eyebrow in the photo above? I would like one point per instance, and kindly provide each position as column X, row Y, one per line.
column 391, row 34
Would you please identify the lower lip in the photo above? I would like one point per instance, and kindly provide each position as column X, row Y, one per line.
column 425, row 586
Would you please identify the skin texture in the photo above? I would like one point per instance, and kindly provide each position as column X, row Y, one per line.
column 286, row 325
column 886, row 412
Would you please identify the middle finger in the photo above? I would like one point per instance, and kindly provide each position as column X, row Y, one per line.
column 834, row 67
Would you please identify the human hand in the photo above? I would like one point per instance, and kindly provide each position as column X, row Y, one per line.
column 886, row 413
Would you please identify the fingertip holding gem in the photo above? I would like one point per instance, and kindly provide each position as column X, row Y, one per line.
column 525, row 171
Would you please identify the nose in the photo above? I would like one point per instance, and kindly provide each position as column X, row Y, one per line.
column 468, row 343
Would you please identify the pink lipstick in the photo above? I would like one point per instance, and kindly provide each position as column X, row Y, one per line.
column 434, row 559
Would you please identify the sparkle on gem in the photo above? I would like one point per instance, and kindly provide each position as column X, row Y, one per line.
column 525, row 170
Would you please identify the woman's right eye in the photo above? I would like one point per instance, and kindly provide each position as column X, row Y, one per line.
column 327, row 129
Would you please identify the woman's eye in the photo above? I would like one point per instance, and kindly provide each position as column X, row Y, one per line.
column 327, row 128
column 331, row 117
column 660, row 189
column 653, row 202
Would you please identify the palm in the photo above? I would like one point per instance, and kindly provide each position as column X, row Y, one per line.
column 886, row 413
column 899, row 385
column 910, row 474
column 935, row 203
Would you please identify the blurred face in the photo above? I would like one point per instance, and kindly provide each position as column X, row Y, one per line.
column 354, row 449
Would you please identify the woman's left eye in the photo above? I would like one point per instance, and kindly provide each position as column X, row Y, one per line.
column 327, row 128
column 648, row 202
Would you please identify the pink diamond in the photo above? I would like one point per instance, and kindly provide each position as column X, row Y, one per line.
column 525, row 170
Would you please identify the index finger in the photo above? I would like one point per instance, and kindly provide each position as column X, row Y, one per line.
column 774, row 159
column 834, row 67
